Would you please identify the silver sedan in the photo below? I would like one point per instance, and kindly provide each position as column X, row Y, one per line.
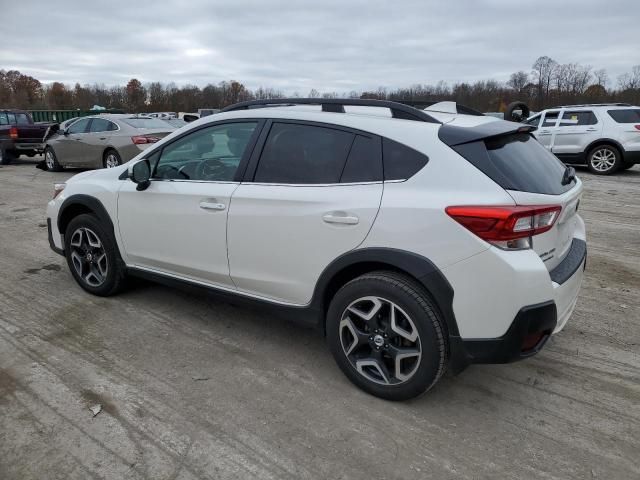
column 103, row 141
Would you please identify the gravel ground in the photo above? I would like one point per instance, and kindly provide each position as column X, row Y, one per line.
column 195, row 388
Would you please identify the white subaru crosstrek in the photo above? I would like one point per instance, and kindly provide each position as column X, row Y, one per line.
column 604, row 136
column 415, row 240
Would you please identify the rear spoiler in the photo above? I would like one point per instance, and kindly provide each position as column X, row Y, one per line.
column 453, row 135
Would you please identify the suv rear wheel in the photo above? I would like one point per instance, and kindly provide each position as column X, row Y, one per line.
column 604, row 160
column 92, row 256
column 386, row 335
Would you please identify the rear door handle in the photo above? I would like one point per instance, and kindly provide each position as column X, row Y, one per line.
column 212, row 205
column 592, row 129
column 341, row 218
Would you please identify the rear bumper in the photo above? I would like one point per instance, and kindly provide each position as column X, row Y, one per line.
column 631, row 156
column 534, row 324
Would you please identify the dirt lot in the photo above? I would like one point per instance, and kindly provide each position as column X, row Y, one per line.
column 195, row 388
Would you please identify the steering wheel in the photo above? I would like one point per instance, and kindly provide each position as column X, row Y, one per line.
column 208, row 167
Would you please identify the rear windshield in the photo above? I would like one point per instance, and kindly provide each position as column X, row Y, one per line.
column 625, row 116
column 145, row 122
column 517, row 162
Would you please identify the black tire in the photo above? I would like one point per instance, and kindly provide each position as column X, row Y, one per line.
column 51, row 160
column 604, row 160
column 414, row 303
column 110, row 156
column 112, row 266
column 510, row 115
column 6, row 157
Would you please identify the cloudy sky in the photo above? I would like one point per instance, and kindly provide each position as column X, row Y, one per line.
column 330, row 45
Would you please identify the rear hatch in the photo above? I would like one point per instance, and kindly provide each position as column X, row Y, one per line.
column 513, row 158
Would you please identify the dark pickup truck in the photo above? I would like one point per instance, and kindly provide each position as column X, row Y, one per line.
column 20, row 135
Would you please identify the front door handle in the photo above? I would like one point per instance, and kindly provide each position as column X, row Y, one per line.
column 592, row 129
column 544, row 132
column 212, row 205
column 341, row 218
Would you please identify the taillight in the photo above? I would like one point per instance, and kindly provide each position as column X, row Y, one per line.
column 507, row 227
column 637, row 127
column 13, row 133
column 142, row 139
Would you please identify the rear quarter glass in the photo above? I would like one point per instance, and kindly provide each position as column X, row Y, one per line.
column 631, row 115
column 517, row 162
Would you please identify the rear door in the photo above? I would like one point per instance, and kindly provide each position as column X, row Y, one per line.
column 311, row 194
column 575, row 131
column 95, row 142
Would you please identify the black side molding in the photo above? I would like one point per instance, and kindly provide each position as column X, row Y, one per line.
column 565, row 269
column 82, row 202
column 59, row 251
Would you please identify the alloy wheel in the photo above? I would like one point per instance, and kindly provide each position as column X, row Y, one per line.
column 603, row 160
column 380, row 340
column 111, row 161
column 49, row 160
column 89, row 257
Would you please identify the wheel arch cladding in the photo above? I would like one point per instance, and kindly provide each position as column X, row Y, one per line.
column 77, row 205
column 604, row 141
column 358, row 262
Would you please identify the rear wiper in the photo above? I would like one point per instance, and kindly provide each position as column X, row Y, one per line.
column 568, row 176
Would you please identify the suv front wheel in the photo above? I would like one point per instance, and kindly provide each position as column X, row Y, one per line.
column 92, row 256
column 604, row 160
column 386, row 335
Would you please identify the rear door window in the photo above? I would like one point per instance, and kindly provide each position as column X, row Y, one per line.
column 303, row 154
column 3, row 118
column 517, row 162
column 631, row 115
column 573, row 119
column 99, row 125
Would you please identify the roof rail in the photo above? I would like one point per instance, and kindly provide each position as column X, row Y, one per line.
column 463, row 109
column 336, row 105
column 596, row 105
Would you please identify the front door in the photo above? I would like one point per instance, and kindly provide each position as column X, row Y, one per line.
column 178, row 225
column 69, row 148
column 547, row 128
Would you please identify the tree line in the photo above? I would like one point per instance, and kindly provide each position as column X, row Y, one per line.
column 548, row 83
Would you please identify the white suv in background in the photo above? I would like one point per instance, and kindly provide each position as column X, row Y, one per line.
column 604, row 136
column 412, row 244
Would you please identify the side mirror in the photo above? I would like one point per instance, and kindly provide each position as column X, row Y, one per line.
column 140, row 174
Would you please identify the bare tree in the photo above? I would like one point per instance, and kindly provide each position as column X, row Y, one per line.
column 518, row 80
column 543, row 71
